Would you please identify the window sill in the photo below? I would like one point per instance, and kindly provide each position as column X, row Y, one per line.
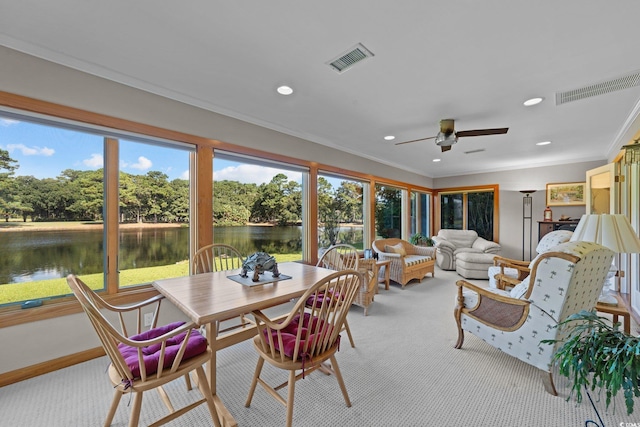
column 14, row 315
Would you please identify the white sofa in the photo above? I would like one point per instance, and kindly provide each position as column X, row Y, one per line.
column 449, row 243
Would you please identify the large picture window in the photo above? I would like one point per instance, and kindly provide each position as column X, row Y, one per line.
column 340, row 211
column 154, row 228
column 388, row 212
column 55, row 208
column 86, row 194
column 51, row 201
column 258, row 206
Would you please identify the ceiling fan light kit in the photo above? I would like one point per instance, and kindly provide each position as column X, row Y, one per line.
column 448, row 136
column 445, row 141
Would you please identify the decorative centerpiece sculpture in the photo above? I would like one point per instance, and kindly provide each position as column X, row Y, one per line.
column 259, row 262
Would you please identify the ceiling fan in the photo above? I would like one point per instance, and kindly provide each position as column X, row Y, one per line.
column 448, row 136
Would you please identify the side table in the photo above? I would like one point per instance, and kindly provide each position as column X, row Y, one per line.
column 617, row 310
column 384, row 264
column 374, row 266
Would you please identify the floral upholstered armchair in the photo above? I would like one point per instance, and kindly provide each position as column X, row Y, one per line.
column 562, row 282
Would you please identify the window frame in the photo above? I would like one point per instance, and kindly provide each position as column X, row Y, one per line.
column 201, row 189
column 495, row 188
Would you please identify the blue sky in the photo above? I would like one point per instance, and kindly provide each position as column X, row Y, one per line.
column 44, row 152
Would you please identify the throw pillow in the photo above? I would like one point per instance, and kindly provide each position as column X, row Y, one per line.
column 396, row 249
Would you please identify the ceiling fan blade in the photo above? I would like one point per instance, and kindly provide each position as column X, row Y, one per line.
column 415, row 140
column 445, row 148
column 481, row 132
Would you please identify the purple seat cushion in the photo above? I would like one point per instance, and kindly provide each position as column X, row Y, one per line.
column 290, row 332
column 317, row 299
column 197, row 344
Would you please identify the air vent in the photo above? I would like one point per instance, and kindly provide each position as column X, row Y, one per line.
column 351, row 57
column 620, row 83
column 475, row 151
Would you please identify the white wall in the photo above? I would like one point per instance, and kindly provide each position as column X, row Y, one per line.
column 40, row 341
column 511, row 182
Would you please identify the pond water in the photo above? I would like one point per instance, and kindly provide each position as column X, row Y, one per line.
column 40, row 255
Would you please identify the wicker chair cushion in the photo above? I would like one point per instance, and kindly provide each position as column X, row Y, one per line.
column 196, row 345
column 290, row 332
column 396, row 249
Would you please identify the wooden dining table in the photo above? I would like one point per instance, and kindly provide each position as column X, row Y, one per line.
column 211, row 297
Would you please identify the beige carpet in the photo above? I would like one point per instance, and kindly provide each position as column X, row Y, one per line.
column 403, row 372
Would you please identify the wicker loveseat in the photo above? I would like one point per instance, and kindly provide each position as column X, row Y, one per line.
column 407, row 261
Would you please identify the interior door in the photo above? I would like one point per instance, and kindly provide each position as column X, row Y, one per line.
column 600, row 195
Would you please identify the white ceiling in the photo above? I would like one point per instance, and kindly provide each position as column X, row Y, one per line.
column 473, row 61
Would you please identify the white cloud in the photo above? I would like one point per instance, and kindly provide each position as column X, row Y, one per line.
column 185, row 174
column 31, row 151
column 95, row 161
column 143, row 164
column 8, row 122
column 253, row 174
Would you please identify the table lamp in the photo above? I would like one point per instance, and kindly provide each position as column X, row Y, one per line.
column 612, row 231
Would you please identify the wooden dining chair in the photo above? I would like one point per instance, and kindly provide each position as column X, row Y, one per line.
column 307, row 337
column 149, row 359
column 220, row 257
column 341, row 257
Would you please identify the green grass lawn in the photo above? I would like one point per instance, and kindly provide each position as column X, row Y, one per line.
column 40, row 289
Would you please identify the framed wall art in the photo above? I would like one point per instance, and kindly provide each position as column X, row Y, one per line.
column 565, row 194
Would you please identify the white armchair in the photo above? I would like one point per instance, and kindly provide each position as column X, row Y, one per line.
column 449, row 243
column 561, row 283
column 505, row 268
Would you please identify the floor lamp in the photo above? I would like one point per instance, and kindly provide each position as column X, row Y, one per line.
column 614, row 232
column 527, row 210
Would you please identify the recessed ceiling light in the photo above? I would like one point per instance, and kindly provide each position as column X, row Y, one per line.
column 543, row 143
column 285, row 90
column 436, row 160
column 389, row 138
column 532, row 101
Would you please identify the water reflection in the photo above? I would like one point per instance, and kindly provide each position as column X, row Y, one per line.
column 40, row 255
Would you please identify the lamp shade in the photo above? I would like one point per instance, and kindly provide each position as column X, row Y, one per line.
column 613, row 231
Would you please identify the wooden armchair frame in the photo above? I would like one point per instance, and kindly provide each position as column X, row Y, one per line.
column 120, row 373
column 503, row 280
column 220, row 257
column 342, row 257
column 560, row 283
column 313, row 344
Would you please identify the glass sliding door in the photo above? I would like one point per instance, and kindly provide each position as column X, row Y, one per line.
column 469, row 210
column 421, row 213
column 451, row 211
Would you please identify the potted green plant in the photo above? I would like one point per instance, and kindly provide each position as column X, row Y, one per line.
column 596, row 355
column 420, row 239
